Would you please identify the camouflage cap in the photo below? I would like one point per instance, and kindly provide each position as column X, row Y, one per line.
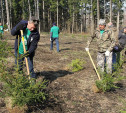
column 102, row 22
column 34, row 18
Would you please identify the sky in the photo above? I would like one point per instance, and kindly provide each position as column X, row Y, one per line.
column 125, row 4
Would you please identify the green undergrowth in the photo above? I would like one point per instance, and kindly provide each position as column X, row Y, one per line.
column 77, row 65
column 109, row 81
column 18, row 86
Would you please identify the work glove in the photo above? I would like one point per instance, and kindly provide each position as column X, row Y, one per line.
column 107, row 53
column 50, row 39
column 87, row 49
column 116, row 48
column 25, row 54
column 20, row 27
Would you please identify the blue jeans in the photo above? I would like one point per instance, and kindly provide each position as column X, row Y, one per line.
column 115, row 59
column 57, row 44
column 30, row 64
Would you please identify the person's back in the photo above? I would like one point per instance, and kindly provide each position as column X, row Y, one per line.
column 122, row 37
column 1, row 28
column 54, row 35
column 55, row 32
column 1, row 31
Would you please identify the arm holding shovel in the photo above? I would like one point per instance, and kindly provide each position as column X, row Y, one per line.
column 87, row 50
column 26, row 60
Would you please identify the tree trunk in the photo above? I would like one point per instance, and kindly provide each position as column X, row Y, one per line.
column 29, row 6
column 98, row 14
column 110, row 11
column 0, row 12
column 104, row 9
column 10, row 14
column 81, row 21
column 35, row 4
column 38, row 14
column 2, row 15
column 23, row 10
column 124, row 20
column 43, row 6
column 48, row 20
column 8, row 17
column 92, row 18
column 73, row 20
column 85, row 16
column 57, row 12
column 118, row 22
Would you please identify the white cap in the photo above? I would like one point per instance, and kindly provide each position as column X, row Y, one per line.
column 102, row 22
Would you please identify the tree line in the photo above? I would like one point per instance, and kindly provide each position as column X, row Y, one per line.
column 70, row 15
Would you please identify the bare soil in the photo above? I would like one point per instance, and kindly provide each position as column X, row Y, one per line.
column 71, row 92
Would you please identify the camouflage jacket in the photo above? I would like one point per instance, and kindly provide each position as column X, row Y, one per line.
column 105, row 42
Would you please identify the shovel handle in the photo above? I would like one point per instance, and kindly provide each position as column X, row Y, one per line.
column 26, row 60
column 94, row 65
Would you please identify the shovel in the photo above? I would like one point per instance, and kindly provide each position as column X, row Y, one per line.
column 94, row 65
column 26, row 60
column 94, row 87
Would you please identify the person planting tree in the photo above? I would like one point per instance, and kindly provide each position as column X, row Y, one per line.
column 31, row 39
column 105, row 42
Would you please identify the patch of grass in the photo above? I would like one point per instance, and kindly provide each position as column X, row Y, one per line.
column 123, row 101
column 77, row 65
column 108, row 81
column 17, row 85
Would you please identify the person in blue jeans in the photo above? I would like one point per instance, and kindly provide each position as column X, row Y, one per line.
column 54, row 36
column 31, row 38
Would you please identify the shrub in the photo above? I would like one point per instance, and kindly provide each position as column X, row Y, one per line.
column 5, row 26
column 77, row 65
column 108, row 81
column 17, row 86
column 22, row 90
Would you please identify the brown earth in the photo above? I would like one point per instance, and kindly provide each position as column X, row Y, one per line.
column 71, row 92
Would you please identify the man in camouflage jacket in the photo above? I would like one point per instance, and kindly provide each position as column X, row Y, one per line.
column 105, row 42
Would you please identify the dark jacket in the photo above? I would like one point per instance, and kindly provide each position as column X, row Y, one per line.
column 122, row 38
column 121, row 41
column 32, row 40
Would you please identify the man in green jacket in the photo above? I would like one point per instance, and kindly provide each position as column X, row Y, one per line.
column 105, row 42
column 54, row 35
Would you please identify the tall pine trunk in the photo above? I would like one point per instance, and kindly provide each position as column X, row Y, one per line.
column 73, row 20
column 29, row 7
column 35, row 5
column 57, row 12
column 98, row 13
column 8, row 17
column 104, row 9
column 10, row 13
column 92, row 18
column 110, row 11
column 37, row 12
column 118, row 21
column 43, row 13
column 2, row 15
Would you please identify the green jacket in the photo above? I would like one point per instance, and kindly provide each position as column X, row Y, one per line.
column 105, row 42
column 1, row 29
